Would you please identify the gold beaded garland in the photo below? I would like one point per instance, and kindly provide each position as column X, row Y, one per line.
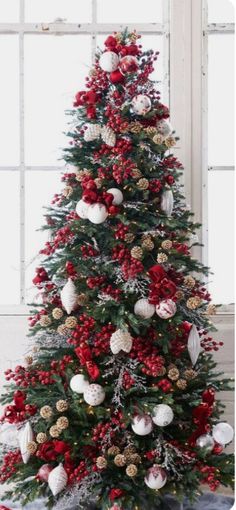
column 62, row 405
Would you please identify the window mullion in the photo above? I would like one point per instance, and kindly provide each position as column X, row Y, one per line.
column 22, row 158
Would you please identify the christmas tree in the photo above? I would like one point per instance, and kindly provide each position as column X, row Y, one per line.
column 116, row 403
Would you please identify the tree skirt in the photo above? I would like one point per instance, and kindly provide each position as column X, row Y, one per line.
column 205, row 502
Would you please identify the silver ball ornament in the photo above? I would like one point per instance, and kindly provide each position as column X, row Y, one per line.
column 205, row 441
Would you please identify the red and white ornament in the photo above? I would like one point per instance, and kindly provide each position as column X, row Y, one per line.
column 43, row 472
column 141, row 104
column 94, row 395
column 156, row 477
column 166, row 309
column 57, row 479
column 82, row 209
column 97, row 213
column 117, row 194
column 128, row 64
column 162, row 415
column 79, row 383
column 142, row 425
column 109, row 61
column 144, row 309
column 164, row 128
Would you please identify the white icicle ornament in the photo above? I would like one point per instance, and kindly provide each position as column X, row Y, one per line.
column 164, row 128
column 92, row 132
column 69, row 296
column 144, row 309
column 162, row 415
column 108, row 136
column 141, row 104
column 94, row 395
column 109, row 61
column 194, row 345
column 142, row 425
column 82, row 209
column 156, row 477
column 25, row 436
column 57, row 479
column 97, row 213
column 117, row 194
column 167, row 202
column 166, row 309
column 121, row 340
column 79, row 383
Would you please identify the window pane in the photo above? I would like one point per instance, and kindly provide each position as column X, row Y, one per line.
column 221, row 228
column 220, row 11
column 40, row 186
column 48, row 10
column 10, row 236
column 129, row 12
column 55, row 69
column 220, row 100
column 9, row 11
column 9, row 100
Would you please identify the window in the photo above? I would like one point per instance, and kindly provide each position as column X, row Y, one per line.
column 46, row 48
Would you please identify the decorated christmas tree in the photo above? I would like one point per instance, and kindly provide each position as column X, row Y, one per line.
column 116, row 403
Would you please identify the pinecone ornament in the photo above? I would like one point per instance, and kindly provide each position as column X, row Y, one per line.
column 57, row 313
column 41, row 437
column 147, row 243
column 119, row 460
column 137, row 253
column 143, row 184
column 45, row 321
column 136, row 173
column 108, row 136
column 62, row 406
column 92, row 132
column 101, row 462
column 131, row 470
column 62, row 423
column 167, row 244
column 46, row 412
column 113, row 450
column 71, row 322
column 31, row 447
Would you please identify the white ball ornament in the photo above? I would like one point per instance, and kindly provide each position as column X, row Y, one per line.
column 205, row 441
column 82, row 209
column 162, row 415
column 164, row 127
column 141, row 104
column 156, row 477
column 121, row 340
column 79, row 383
column 117, row 194
column 109, row 61
column 166, row 309
column 223, row 433
column 57, row 479
column 97, row 213
column 144, row 309
column 94, row 395
column 142, row 425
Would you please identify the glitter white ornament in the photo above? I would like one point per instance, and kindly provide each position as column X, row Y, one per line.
column 108, row 136
column 97, row 213
column 141, row 104
column 194, row 345
column 9, row 435
column 166, row 309
column 205, row 441
column 69, row 296
column 162, row 415
column 223, row 433
column 167, row 202
column 142, row 425
column 94, row 395
column 164, row 128
column 92, row 132
column 144, row 309
column 117, row 194
column 82, row 209
column 156, row 477
column 109, row 61
column 25, row 436
column 57, row 479
column 79, row 383
column 121, row 340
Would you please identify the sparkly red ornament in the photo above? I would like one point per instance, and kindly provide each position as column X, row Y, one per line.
column 156, row 273
column 115, row 494
column 128, row 64
column 43, row 473
column 209, row 396
column 116, row 77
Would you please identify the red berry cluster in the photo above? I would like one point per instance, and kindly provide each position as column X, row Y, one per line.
column 82, row 332
column 19, row 410
column 101, row 430
column 155, row 185
column 88, row 251
column 210, row 476
column 110, row 291
column 101, row 340
column 95, row 281
column 122, row 170
column 120, row 231
column 9, row 465
column 41, row 276
column 131, row 268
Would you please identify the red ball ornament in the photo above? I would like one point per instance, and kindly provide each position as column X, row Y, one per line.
column 43, row 473
column 116, row 77
column 128, row 64
column 217, row 450
column 4, row 507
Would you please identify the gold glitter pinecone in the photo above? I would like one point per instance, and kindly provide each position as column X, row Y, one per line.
column 62, row 423
column 71, row 322
column 54, row 431
column 143, row 184
column 28, row 359
column 82, row 299
column 137, row 252
column 170, row 142
column 62, row 405
column 158, row 139
column 135, row 127
column 46, row 412
column 181, row 384
column 129, row 237
column 113, row 450
column 119, row 460
column 189, row 281
column 131, row 470
column 45, row 321
column 194, row 302
column 57, row 313
column 167, row 244
column 150, row 130
column 41, row 437
column 147, row 243
column 136, row 173
column 162, row 258
column 62, row 329
column 173, row 374
column 211, row 310
column 101, row 462
column 67, row 191
column 82, row 173
column 31, row 447
column 179, row 295
column 133, row 458
column 189, row 374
